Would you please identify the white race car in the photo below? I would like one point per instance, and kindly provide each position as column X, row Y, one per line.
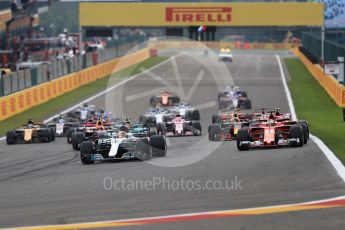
column 122, row 145
column 225, row 54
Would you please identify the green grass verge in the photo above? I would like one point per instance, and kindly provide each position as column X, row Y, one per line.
column 66, row 100
column 313, row 104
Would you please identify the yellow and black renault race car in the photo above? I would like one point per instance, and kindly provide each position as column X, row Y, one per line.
column 30, row 133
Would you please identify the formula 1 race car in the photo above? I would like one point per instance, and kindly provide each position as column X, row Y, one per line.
column 164, row 98
column 186, row 111
column 225, row 54
column 83, row 113
column 228, row 116
column 61, row 125
column 30, row 133
column 224, row 131
column 153, row 116
column 89, row 131
column 90, row 124
column 275, row 114
column 226, row 125
column 122, row 145
column 273, row 134
column 233, row 97
column 179, row 127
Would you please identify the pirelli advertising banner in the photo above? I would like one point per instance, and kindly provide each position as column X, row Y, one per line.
column 196, row 14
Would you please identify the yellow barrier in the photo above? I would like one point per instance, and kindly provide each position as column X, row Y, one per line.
column 329, row 83
column 218, row 45
column 20, row 101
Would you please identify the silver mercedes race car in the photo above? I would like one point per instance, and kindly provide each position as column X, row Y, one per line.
column 119, row 145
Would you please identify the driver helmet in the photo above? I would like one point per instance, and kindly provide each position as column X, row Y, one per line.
column 270, row 122
column 121, row 134
column 127, row 122
column 277, row 111
column 271, row 117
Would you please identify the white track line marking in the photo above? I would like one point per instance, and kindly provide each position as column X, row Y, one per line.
column 336, row 163
column 104, row 92
column 286, row 89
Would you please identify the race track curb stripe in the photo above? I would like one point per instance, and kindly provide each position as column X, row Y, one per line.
column 298, row 207
column 336, row 163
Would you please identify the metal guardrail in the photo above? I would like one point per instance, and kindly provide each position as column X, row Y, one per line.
column 312, row 42
column 27, row 78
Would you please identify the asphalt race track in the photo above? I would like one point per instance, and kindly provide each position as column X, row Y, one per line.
column 47, row 184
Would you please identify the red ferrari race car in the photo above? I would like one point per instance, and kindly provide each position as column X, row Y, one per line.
column 273, row 133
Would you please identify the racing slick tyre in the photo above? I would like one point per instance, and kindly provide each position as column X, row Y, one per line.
column 158, row 146
column 196, row 128
column 79, row 137
column 45, row 135
column 245, row 124
column 69, row 135
column 216, row 119
column 296, row 131
column 196, row 115
column 175, row 100
column 223, row 104
column 11, row 138
column 70, row 114
column 142, row 119
column 305, row 128
column 152, row 131
column 86, row 149
column 305, row 132
column 52, row 132
column 73, row 140
column 242, row 135
column 72, row 137
column 161, row 129
column 153, row 101
column 214, row 132
column 247, row 104
column 143, row 146
column 220, row 95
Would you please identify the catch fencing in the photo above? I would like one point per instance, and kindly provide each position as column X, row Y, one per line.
column 28, row 96
column 26, row 78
